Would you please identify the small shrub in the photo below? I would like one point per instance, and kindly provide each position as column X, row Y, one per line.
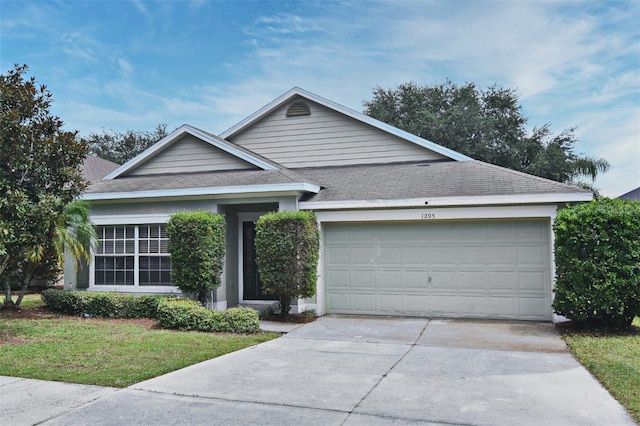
column 186, row 314
column 597, row 253
column 101, row 305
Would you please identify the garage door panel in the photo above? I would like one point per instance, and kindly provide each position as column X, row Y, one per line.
column 472, row 280
column 363, row 278
column 531, row 255
column 339, row 279
column 443, row 304
column 340, row 302
column 390, row 280
column 491, row 269
column 532, row 280
column 363, row 303
column 415, row 279
column 502, row 256
column 391, row 304
column 363, row 255
column 389, row 256
column 473, row 306
column 337, row 255
column 502, row 280
column 444, row 279
column 415, row 304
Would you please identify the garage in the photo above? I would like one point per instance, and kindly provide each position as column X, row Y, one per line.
column 465, row 269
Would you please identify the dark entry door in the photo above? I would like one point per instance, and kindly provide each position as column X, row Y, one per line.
column 251, row 286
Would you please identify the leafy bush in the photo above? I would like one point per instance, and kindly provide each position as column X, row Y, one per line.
column 186, row 314
column 287, row 248
column 102, row 305
column 597, row 253
column 197, row 246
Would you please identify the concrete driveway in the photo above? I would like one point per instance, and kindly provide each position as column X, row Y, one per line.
column 374, row 371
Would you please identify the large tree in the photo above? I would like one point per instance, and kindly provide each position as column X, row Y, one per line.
column 40, row 174
column 487, row 125
column 120, row 147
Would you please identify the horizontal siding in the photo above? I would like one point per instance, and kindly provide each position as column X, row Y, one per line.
column 326, row 138
column 190, row 154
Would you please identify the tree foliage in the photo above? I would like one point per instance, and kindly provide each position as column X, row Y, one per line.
column 287, row 249
column 197, row 247
column 487, row 125
column 40, row 173
column 120, row 147
column 597, row 253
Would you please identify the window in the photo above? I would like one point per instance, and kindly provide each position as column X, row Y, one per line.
column 132, row 255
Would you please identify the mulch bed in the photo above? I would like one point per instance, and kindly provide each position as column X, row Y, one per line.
column 43, row 312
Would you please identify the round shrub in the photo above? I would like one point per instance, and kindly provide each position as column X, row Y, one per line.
column 597, row 254
column 185, row 314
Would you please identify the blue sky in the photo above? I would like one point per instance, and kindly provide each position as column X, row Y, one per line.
column 133, row 64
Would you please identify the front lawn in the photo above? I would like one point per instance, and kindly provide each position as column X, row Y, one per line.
column 38, row 344
column 614, row 359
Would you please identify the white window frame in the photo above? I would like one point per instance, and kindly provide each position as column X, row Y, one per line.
column 134, row 221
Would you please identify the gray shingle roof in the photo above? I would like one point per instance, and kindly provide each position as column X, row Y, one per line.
column 362, row 182
column 417, row 180
column 95, row 168
column 634, row 194
column 194, row 180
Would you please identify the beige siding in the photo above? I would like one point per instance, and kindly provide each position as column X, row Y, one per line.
column 326, row 138
column 189, row 154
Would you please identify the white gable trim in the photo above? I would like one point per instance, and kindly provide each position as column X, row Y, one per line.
column 296, row 91
column 217, row 190
column 483, row 200
column 178, row 133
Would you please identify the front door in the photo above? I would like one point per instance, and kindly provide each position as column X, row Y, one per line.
column 251, row 285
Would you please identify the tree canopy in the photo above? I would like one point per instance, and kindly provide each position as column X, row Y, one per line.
column 40, row 173
column 487, row 125
column 120, row 147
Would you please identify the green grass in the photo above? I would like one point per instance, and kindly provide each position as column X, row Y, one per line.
column 107, row 353
column 29, row 301
column 614, row 359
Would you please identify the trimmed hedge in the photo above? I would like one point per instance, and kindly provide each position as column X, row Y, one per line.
column 287, row 251
column 171, row 311
column 102, row 305
column 597, row 253
column 197, row 245
column 185, row 314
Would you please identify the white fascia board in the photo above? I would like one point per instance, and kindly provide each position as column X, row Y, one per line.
column 296, row 91
column 178, row 133
column 131, row 219
column 217, row 190
column 436, row 214
column 450, row 201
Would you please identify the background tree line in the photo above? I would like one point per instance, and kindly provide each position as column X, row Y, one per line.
column 487, row 125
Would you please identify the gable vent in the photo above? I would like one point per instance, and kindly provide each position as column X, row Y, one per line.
column 298, row 109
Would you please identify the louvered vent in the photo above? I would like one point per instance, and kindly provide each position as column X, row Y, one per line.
column 298, row 109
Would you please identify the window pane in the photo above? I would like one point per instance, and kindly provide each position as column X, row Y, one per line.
column 108, row 247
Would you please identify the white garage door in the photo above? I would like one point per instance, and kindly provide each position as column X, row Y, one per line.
column 479, row 269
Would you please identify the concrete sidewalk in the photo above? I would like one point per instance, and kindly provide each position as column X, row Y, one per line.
column 349, row 370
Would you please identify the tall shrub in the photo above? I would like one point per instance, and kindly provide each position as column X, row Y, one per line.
column 197, row 245
column 287, row 248
column 597, row 251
